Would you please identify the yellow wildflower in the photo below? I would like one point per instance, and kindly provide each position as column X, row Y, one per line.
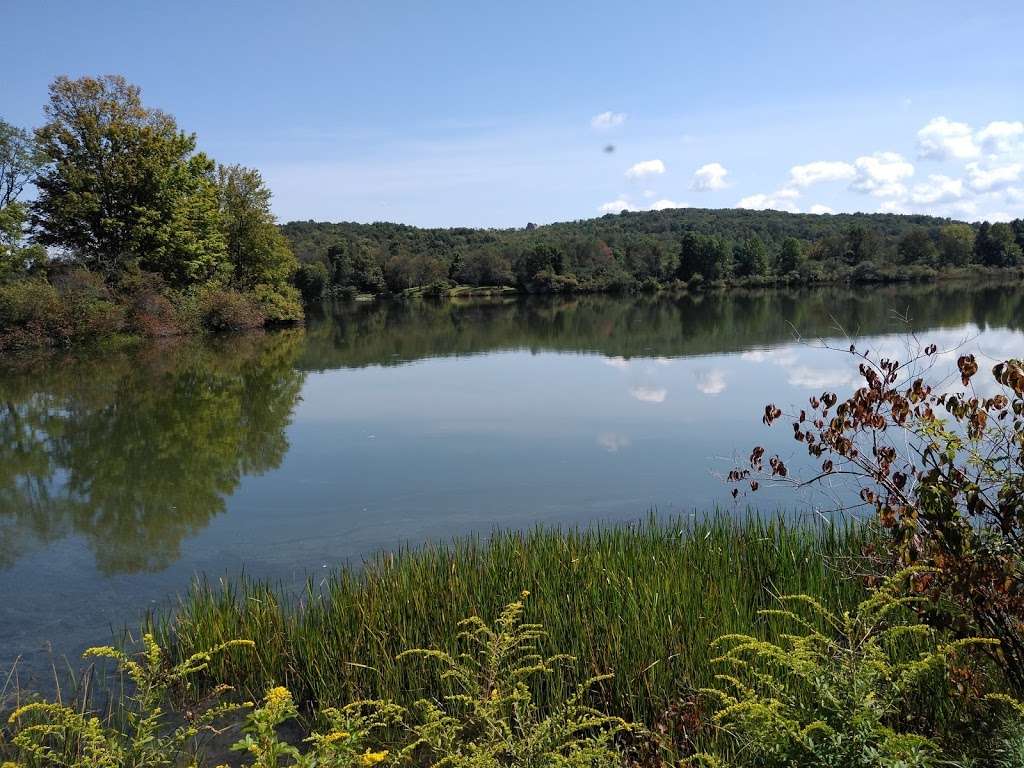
column 334, row 736
column 372, row 758
column 278, row 703
column 278, row 696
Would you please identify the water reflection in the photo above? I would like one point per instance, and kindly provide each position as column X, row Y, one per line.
column 123, row 474
column 136, row 452
column 346, row 335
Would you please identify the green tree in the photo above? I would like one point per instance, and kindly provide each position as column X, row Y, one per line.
column 19, row 162
column 257, row 250
column 956, row 245
column 312, row 279
column 862, row 244
column 791, row 256
column 752, row 257
column 16, row 256
column 538, row 259
column 996, row 245
column 122, row 184
column 487, row 267
column 1018, row 231
column 704, row 255
column 917, row 247
column 354, row 264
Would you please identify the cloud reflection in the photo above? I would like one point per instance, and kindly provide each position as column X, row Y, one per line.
column 710, row 382
column 613, row 442
column 649, row 394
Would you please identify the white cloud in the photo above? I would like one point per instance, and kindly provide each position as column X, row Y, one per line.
column 821, row 170
column 783, row 356
column 645, row 168
column 942, row 139
column 616, row 206
column 992, row 178
column 881, row 174
column 938, row 189
column 1001, row 137
column 817, row 378
column 613, row 442
column 780, row 200
column 616, row 362
column 608, row 120
column 711, row 382
column 710, row 176
column 819, row 209
column 649, row 394
column 661, row 205
column 649, row 193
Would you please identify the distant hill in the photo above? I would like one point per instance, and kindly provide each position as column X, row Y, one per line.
column 626, row 249
column 310, row 239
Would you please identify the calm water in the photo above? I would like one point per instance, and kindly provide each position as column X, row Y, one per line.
column 121, row 477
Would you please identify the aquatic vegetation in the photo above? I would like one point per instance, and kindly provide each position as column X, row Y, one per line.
column 490, row 720
column 643, row 601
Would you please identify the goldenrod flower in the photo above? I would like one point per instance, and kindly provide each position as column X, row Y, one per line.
column 334, row 736
column 372, row 758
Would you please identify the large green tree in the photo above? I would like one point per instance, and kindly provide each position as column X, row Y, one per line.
column 122, row 184
column 917, row 247
column 791, row 256
column 752, row 257
column 705, row 255
column 956, row 245
column 257, row 250
column 996, row 245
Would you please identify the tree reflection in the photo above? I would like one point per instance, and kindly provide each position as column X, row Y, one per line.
column 393, row 332
column 135, row 452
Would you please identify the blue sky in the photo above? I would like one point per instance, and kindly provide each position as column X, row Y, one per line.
column 496, row 114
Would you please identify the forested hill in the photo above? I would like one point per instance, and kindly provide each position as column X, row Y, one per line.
column 619, row 250
column 311, row 239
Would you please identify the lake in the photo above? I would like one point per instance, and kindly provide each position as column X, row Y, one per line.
column 389, row 423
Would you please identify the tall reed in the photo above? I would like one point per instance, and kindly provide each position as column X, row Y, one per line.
column 643, row 601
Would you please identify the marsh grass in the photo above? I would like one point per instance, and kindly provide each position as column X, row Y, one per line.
column 642, row 601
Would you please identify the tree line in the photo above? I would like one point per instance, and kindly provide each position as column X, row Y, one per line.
column 647, row 250
column 131, row 229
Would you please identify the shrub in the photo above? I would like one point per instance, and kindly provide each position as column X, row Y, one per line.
column 438, row 288
column 54, row 734
column 149, row 307
column 547, row 281
column 944, row 472
column 649, row 285
column 227, row 310
column 839, row 695
column 278, row 305
column 488, row 718
column 76, row 307
column 30, row 313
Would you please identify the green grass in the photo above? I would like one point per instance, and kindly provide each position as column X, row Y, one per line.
column 642, row 601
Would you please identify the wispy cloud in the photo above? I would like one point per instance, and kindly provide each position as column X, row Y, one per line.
column 607, row 120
